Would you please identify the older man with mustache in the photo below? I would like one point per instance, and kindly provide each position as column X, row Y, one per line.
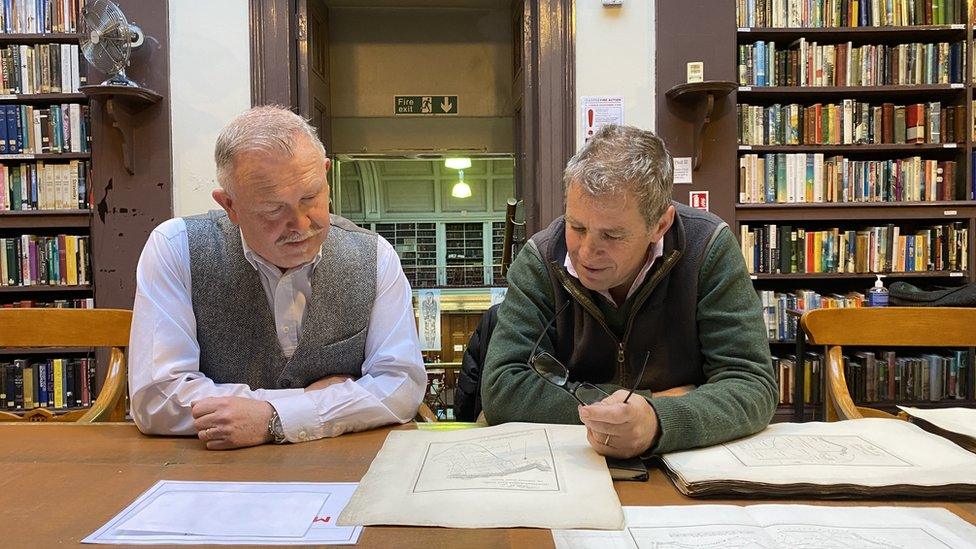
column 271, row 320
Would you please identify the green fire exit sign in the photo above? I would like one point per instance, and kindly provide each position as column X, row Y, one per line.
column 425, row 105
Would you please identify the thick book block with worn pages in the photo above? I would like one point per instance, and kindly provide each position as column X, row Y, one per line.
column 868, row 458
column 955, row 424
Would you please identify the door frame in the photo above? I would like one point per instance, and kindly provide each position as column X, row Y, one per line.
column 545, row 94
column 273, row 39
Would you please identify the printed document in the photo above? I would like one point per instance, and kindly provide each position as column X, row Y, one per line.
column 267, row 513
column 516, row 474
column 778, row 527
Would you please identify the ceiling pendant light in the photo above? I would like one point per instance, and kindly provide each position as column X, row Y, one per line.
column 461, row 189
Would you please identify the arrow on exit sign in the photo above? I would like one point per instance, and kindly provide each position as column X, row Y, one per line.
column 425, row 105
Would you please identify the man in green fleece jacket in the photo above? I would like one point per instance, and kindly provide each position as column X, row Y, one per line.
column 625, row 277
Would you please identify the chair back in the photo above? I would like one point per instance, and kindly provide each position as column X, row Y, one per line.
column 33, row 328
column 880, row 326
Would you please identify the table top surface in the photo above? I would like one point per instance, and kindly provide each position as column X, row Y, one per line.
column 61, row 482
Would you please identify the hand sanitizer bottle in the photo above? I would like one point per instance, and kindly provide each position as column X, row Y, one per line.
column 878, row 295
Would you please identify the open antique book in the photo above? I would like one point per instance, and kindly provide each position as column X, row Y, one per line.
column 867, row 458
column 955, row 424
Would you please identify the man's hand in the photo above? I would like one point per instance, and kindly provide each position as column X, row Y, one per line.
column 631, row 427
column 226, row 423
column 326, row 381
column 674, row 391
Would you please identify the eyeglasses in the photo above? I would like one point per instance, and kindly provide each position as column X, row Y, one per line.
column 552, row 370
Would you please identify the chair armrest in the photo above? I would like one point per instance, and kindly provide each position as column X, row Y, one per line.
column 110, row 404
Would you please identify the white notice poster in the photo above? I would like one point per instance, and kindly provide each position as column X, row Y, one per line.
column 599, row 110
column 683, row 168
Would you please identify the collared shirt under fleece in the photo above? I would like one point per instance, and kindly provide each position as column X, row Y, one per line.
column 164, row 374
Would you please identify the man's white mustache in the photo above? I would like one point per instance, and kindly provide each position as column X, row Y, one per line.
column 299, row 237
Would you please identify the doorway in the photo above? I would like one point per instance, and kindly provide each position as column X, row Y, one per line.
column 534, row 121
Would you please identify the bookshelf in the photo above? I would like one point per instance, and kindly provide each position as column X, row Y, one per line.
column 808, row 65
column 45, row 129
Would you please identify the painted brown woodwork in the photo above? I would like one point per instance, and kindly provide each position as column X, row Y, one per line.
column 122, row 103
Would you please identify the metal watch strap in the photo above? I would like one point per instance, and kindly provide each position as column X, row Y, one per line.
column 275, row 428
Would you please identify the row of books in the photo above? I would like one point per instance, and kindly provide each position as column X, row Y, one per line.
column 881, row 377
column 848, row 13
column 850, row 123
column 805, row 63
column 782, row 326
column 786, row 369
column 56, row 383
column 785, row 249
column 40, row 16
column 790, row 178
column 884, row 376
column 81, row 303
column 41, row 68
column 57, row 129
column 31, row 260
column 44, row 186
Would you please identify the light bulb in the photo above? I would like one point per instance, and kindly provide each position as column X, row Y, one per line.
column 461, row 190
column 457, row 163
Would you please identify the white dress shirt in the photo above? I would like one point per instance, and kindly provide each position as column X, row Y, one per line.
column 656, row 252
column 163, row 357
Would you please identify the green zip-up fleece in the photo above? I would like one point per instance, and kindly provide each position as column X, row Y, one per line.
column 696, row 312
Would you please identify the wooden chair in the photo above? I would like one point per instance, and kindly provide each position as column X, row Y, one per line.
column 882, row 327
column 425, row 414
column 73, row 328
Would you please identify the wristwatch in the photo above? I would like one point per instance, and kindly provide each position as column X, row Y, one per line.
column 275, row 429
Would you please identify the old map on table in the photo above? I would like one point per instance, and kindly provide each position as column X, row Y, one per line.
column 516, row 474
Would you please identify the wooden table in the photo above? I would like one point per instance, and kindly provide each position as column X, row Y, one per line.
column 61, row 482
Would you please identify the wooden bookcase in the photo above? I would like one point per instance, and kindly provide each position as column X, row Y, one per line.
column 48, row 222
column 854, row 215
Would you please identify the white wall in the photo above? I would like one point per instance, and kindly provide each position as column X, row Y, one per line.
column 209, row 83
column 615, row 56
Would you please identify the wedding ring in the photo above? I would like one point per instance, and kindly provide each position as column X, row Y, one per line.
column 607, row 441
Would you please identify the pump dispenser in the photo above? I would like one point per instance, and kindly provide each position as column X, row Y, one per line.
column 878, row 295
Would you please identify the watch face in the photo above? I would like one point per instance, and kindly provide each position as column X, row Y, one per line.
column 276, row 429
column 279, row 431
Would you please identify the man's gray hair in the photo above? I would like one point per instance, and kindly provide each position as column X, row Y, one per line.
column 269, row 128
column 625, row 158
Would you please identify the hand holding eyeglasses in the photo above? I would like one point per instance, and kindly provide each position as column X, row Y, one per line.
column 619, row 426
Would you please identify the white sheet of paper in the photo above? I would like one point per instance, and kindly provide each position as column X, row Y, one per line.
column 863, row 452
column 269, row 513
column 510, row 475
column 208, row 513
column 682, row 170
column 778, row 526
column 957, row 420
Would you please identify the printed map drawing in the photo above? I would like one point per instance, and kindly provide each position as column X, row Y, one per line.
column 726, row 536
column 823, row 537
column 520, row 461
column 794, row 536
column 846, row 450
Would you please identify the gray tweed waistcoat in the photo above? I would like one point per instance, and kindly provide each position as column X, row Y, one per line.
column 235, row 323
